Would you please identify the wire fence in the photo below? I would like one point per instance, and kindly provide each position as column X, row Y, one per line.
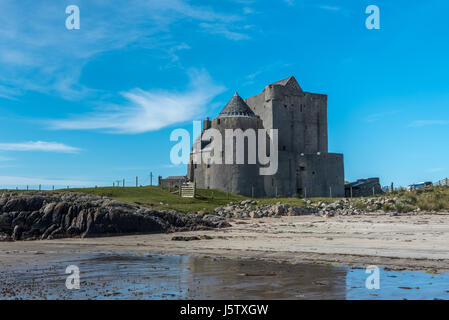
column 443, row 182
column 148, row 180
column 129, row 181
column 439, row 183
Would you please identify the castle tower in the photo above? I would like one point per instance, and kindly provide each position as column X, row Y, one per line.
column 305, row 166
column 238, row 178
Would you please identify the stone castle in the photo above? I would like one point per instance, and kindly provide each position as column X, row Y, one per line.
column 305, row 166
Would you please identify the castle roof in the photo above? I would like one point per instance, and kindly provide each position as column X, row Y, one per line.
column 236, row 107
column 288, row 82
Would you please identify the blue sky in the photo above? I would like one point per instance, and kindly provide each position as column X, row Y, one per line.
column 92, row 106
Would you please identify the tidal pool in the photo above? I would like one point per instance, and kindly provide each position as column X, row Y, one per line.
column 145, row 276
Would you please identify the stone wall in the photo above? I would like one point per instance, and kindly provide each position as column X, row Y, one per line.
column 320, row 175
column 172, row 182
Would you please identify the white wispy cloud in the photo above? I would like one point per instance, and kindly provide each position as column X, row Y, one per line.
column 5, row 158
column 223, row 29
column 381, row 115
column 329, row 8
column 39, row 54
column 314, row 5
column 149, row 110
column 173, row 50
column 333, row 9
column 22, row 181
column 248, row 10
column 423, row 123
column 171, row 166
column 38, row 146
column 277, row 65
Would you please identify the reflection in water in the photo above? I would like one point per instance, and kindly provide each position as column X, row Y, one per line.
column 237, row 279
column 131, row 276
column 416, row 285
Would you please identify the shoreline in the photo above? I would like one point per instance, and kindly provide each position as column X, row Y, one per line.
column 416, row 242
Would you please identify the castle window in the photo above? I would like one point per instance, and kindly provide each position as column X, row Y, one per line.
column 195, row 165
column 218, row 121
column 283, row 148
column 302, row 168
column 208, row 165
column 285, row 105
column 300, row 108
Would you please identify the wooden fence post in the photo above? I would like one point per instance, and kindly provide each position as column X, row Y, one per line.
column 194, row 189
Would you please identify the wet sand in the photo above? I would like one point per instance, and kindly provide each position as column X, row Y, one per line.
column 406, row 241
column 142, row 276
column 113, row 276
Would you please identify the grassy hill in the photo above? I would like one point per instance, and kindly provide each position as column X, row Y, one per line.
column 206, row 200
column 156, row 197
column 430, row 199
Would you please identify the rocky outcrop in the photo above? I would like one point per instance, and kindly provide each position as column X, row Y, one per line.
column 48, row 216
column 346, row 207
column 252, row 209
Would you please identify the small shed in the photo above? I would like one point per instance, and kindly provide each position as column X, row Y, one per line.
column 363, row 188
column 172, row 181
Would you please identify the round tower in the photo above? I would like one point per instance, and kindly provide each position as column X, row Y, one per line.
column 241, row 178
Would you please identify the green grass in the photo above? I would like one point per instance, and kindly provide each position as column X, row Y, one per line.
column 156, row 197
column 206, row 200
column 430, row 199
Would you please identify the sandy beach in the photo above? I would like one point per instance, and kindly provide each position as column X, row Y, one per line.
column 404, row 241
